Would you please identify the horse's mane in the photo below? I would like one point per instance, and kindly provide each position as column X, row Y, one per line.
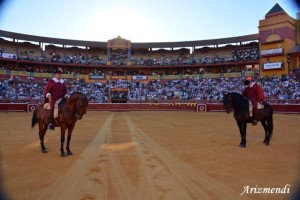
column 73, row 97
column 239, row 102
column 238, row 97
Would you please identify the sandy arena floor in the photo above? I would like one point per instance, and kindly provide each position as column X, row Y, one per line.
column 149, row 155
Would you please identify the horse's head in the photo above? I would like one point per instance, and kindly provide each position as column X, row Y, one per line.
column 81, row 108
column 227, row 102
column 79, row 103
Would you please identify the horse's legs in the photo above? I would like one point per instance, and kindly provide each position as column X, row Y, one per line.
column 270, row 127
column 267, row 134
column 62, row 140
column 244, row 134
column 70, row 130
column 42, row 132
column 242, row 127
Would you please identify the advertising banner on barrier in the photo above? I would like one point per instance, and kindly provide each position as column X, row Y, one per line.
column 139, row 77
column 97, row 76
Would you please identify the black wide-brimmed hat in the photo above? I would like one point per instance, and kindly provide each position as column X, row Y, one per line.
column 246, row 82
column 57, row 71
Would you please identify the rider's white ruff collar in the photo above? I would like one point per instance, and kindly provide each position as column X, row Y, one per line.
column 56, row 80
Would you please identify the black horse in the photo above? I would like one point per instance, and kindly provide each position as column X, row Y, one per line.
column 240, row 105
column 70, row 111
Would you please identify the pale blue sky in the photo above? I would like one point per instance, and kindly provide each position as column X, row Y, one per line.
column 138, row 20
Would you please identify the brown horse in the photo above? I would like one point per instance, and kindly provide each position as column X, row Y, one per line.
column 70, row 111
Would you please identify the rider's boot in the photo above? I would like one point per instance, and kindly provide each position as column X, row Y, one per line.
column 255, row 113
column 51, row 123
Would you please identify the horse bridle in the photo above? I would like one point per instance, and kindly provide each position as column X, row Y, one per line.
column 229, row 102
column 78, row 115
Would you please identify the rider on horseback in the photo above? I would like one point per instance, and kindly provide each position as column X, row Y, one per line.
column 55, row 89
column 255, row 94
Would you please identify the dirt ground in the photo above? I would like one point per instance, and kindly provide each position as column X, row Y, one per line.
column 149, row 155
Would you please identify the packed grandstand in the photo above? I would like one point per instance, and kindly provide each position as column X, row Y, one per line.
column 24, row 80
column 277, row 89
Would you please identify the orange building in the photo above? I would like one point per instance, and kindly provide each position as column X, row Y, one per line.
column 294, row 53
column 277, row 36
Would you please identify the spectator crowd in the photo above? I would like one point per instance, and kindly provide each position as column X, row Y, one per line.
column 276, row 88
column 241, row 53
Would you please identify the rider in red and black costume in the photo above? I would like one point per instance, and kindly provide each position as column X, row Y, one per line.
column 55, row 89
column 255, row 94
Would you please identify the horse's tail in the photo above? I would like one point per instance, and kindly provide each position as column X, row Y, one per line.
column 33, row 120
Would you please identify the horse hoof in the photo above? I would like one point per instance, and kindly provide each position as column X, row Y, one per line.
column 266, row 142
column 69, row 153
column 63, row 155
column 242, row 145
column 44, row 150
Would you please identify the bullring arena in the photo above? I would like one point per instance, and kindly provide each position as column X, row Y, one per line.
column 155, row 126
column 149, row 155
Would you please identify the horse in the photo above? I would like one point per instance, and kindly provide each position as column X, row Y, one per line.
column 70, row 110
column 240, row 105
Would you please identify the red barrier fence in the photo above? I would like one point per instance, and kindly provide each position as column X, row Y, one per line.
column 17, row 107
column 202, row 107
column 280, row 108
column 143, row 106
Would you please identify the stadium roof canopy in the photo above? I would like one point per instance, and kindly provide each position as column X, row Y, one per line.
column 49, row 40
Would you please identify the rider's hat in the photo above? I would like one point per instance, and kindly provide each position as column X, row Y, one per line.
column 58, row 71
column 246, row 82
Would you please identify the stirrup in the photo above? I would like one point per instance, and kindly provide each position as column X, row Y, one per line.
column 50, row 126
column 254, row 123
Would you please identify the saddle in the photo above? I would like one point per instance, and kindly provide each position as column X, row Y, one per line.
column 57, row 105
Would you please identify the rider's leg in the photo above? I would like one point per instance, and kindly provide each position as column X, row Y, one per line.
column 51, row 120
column 255, row 114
